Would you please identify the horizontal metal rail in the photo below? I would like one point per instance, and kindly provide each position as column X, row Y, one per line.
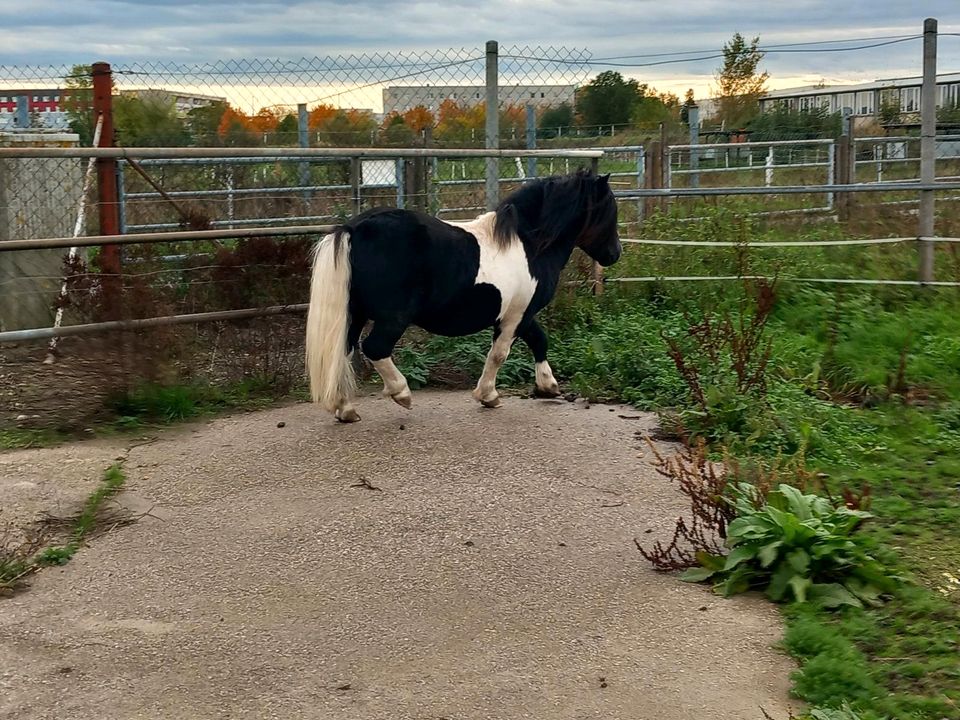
column 906, row 186
column 244, row 222
column 829, row 281
column 292, row 153
column 241, row 192
column 155, row 237
column 704, row 169
column 787, row 243
column 12, row 336
column 752, row 144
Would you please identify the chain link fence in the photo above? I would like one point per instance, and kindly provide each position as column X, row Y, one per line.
column 429, row 101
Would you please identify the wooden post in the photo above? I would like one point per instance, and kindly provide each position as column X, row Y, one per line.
column 108, row 203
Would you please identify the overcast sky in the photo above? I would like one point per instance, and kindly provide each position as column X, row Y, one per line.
column 75, row 31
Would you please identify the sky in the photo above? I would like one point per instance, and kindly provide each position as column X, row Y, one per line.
column 615, row 33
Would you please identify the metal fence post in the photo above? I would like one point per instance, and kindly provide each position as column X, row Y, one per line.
column 303, row 140
column 831, row 172
column 693, row 119
column 653, row 177
column 21, row 119
column 355, row 194
column 928, row 132
column 597, row 271
column 641, row 179
column 493, row 124
column 108, row 204
column 531, row 140
column 399, row 173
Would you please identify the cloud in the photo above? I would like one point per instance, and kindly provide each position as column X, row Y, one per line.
column 179, row 31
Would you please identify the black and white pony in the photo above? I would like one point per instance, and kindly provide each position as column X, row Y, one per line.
column 399, row 268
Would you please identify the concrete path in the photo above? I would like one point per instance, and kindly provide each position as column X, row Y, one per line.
column 491, row 574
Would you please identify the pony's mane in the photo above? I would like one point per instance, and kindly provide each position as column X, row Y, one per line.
column 541, row 211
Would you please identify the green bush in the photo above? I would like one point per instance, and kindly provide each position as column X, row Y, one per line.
column 797, row 547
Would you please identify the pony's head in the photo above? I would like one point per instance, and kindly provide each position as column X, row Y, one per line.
column 600, row 237
column 579, row 208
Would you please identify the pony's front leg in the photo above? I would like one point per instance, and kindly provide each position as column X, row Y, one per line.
column 486, row 390
column 536, row 339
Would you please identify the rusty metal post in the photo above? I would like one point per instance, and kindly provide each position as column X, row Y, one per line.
column 108, row 200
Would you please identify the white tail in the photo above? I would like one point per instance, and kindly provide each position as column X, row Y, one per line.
column 329, row 368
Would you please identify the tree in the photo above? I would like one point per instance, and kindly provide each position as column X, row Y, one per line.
column 234, row 128
column 288, row 130
column 395, row 131
column 555, row 120
column 608, row 100
column 77, row 100
column 949, row 114
column 203, row 121
column 148, row 121
column 653, row 108
column 740, row 85
column 782, row 123
column 889, row 110
column 459, row 124
column 688, row 102
column 418, row 119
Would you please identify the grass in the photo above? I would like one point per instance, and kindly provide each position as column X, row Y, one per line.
column 30, row 554
column 867, row 387
column 151, row 405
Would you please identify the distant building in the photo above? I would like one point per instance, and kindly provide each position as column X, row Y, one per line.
column 184, row 102
column 400, row 98
column 866, row 99
column 45, row 105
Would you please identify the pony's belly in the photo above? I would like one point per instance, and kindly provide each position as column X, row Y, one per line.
column 472, row 311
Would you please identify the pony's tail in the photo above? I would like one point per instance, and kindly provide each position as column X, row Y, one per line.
column 328, row 366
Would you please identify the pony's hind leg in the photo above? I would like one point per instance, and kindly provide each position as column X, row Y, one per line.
column 378, row 347
column 345, row 411
column 486, row 391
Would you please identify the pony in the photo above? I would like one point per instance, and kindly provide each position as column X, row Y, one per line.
column 399, row 267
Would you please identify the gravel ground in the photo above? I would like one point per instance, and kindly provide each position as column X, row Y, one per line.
column 490, row 574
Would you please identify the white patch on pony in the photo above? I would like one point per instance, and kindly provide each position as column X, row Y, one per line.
column 546, row 382
column 504, row 268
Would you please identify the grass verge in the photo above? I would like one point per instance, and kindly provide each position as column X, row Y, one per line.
column 55, row 540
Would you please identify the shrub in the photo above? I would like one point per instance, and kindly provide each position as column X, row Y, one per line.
column 796, row 547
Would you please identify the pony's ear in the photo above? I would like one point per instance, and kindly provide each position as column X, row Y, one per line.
column 603, row 184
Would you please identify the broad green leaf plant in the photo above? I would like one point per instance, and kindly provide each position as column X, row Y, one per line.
column 796, row 547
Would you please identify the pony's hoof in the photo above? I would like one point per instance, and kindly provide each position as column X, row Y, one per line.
column 493, row 402
column 550, row 392
column 403, row 399
column 347, row 416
